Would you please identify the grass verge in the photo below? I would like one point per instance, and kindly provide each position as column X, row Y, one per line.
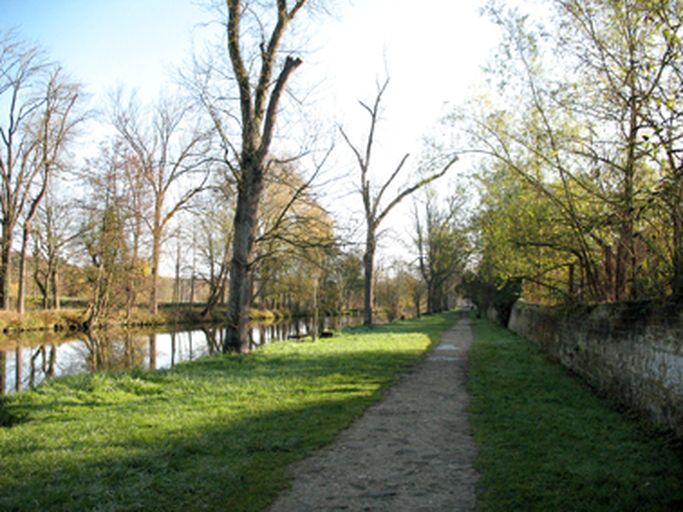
column 546, row 442
column 213, row 434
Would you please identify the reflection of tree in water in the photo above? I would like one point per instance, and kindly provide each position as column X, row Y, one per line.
column 43, row 364
column 19, row 366
column 214, row 338
column 107, row 350
column 24, row 365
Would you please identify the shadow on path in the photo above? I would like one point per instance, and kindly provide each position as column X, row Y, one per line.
column 411, row 452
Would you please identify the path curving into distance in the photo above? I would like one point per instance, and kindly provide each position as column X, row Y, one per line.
column 411, row 452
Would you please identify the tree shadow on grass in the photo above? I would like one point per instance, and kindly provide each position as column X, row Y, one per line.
column 236, row 466
column 183, row 451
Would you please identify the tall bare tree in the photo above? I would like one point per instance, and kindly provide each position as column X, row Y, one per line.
column 171, row 155
column 37, row 105
column 52, row 130
column 260, row 73
column 20, row 66
column 375, row 210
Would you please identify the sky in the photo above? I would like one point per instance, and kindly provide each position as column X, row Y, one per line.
column 432, row 50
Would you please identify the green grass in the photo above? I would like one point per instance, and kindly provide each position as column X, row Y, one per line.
column 214, row 434
column 547, row 443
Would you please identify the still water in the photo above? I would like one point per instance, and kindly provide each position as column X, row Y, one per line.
column 26, row 361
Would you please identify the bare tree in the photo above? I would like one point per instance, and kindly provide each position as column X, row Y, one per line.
column 375, row 210
column 21, row 100
column 213, row 239
column 171, row 154
column 442, row 246
column 52, row 130
column 138, row 209
column 254, row 37
column 53, row 233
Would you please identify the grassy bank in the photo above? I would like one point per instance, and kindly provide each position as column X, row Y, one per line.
column 547, row 443
column 214, row 434
column 73, row 319
column 169, row 314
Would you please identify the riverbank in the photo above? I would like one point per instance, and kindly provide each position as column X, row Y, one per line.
column 546, row 442
column 214, row 434
column 73, row 319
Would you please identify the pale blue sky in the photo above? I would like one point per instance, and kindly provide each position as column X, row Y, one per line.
column 433, row 50
column 106, row 42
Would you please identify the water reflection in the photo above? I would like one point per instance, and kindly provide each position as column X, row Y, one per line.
column 25, row 363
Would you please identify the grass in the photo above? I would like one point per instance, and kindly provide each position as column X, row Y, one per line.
column 213, row 434
column 546, row 442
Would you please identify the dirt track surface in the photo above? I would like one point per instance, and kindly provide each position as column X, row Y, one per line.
column 411, row 452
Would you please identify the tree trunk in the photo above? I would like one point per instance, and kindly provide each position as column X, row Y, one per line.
column 5, row 266
column 21, row 299
column 153, row 351
column 677, row 254
column 19, row 366
column 55, row 287
column 431, row 297
column 156, row 249
column 246, row 220
column 369, row 283
column 314, row 330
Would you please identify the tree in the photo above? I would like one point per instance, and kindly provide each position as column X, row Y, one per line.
column 107, row 232
column 213, row 241
column 442, row 246
column 580, row 143
column 375, row 210
column 38, row 115
column 53, row 233
column 295, row 235
column 254, row 38
column 170, row 153
column 137, row 210
column 104, row 239
column 345, row 278
column 664, row 124
column 53, row 129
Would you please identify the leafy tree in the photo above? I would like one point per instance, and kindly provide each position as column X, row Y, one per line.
column 581, row 149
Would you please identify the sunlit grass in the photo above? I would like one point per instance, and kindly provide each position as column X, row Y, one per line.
column 214, row 434
column 547, row 443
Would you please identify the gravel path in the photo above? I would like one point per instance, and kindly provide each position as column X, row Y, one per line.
column 410, row 452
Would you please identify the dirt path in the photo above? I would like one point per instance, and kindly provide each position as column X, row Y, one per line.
column 410, row 452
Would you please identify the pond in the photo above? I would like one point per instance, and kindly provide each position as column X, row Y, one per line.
column 29, row 359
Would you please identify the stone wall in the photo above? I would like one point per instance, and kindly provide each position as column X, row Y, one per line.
column 630, row 352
